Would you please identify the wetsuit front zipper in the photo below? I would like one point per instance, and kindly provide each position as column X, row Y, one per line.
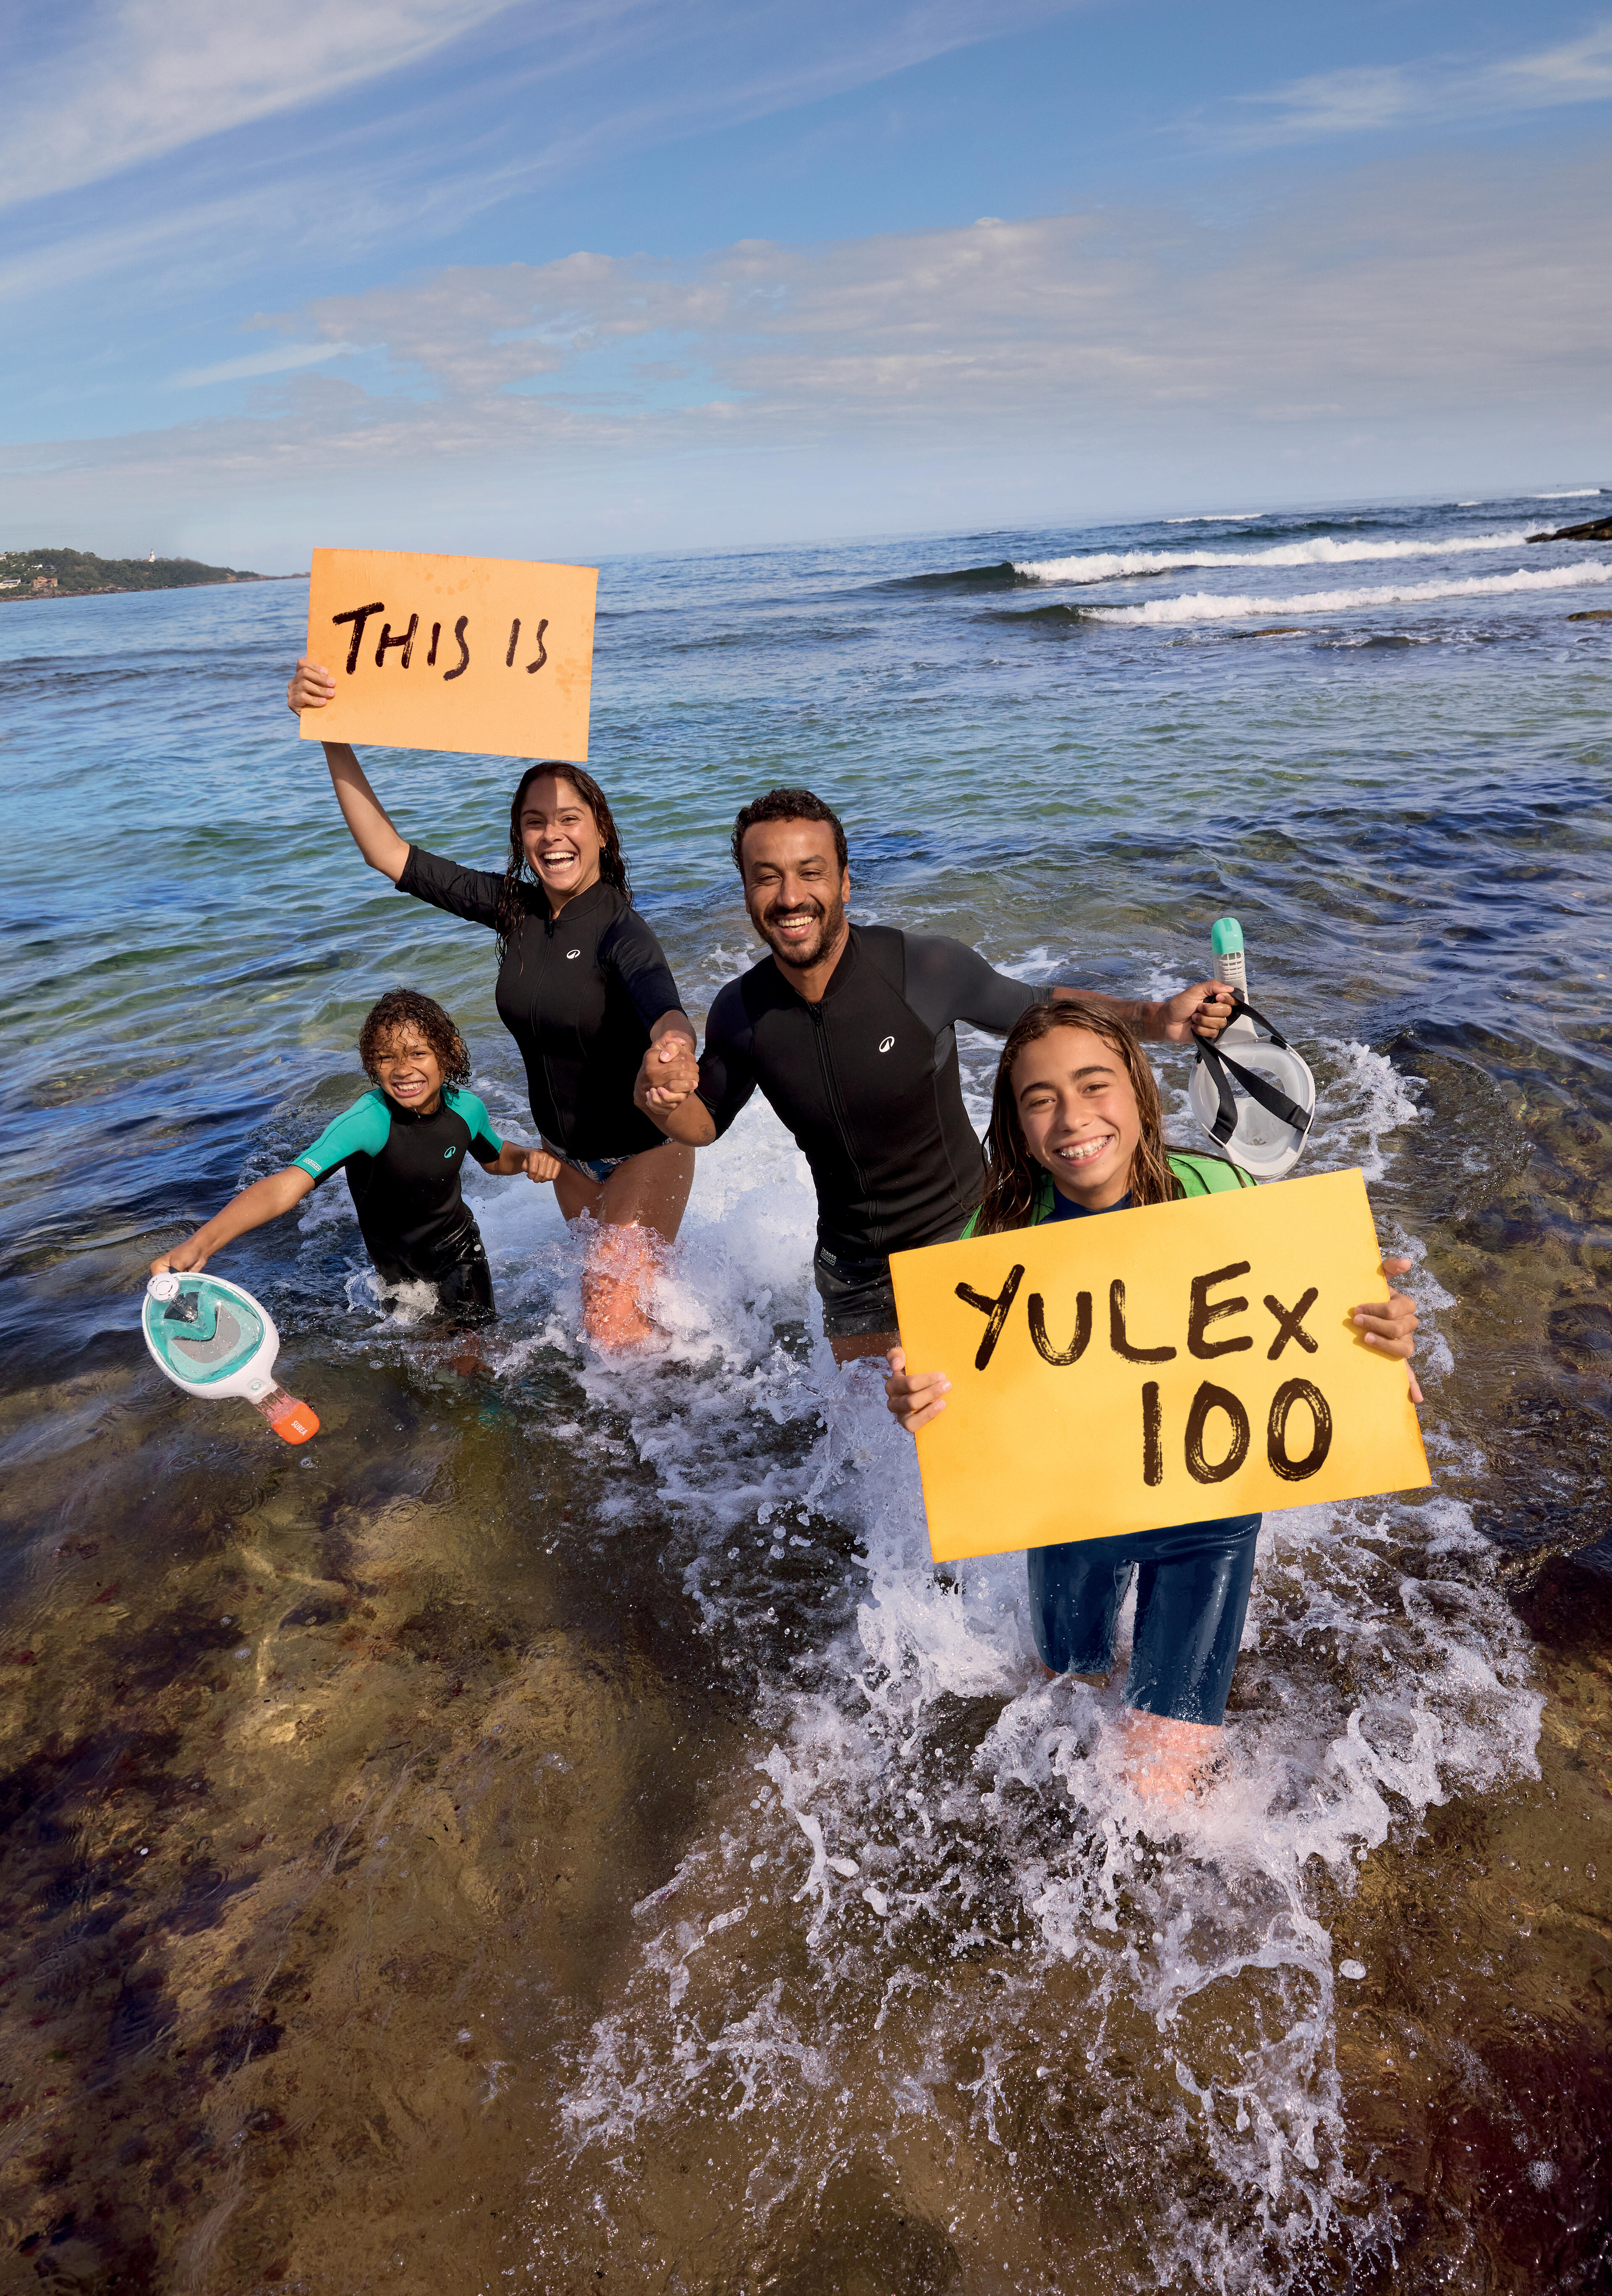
column 831, row 1088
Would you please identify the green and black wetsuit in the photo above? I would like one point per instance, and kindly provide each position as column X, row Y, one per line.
column 403, row 1169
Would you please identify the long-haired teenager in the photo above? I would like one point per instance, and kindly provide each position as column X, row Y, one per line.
column 1076, row 1131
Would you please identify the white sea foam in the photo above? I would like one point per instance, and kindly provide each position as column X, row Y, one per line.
column 1320, row 550
column 1205, row 606
column 1567, row 493
column 881, row 1933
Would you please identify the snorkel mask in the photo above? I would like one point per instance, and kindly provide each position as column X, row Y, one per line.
column 211, row 1338
column 1256, row 1103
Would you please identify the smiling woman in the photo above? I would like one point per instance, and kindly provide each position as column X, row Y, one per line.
column 585, row 990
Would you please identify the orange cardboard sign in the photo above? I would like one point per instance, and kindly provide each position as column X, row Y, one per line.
column 1167, row 1366
column 486, row 654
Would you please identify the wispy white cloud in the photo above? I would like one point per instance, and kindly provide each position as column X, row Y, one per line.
column 284, row 359
column 142, row 78
column 1415, row 308
column 1440, row 90
column 1390, row 295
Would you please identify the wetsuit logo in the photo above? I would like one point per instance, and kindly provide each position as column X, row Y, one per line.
column 885, row 1047
column 449, row 1152
column 570, row 953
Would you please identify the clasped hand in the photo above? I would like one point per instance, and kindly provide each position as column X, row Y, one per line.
column 668, row 1074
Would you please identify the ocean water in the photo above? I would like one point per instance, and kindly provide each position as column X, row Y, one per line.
column 558, row 1830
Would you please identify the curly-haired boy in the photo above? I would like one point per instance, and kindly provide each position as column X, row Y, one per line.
column 402, row 1147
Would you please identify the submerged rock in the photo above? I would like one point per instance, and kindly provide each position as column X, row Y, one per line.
column 1593, row 614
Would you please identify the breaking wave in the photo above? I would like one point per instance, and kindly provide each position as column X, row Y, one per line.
column 1204, row 606
column 1114, row 565
column 1002, row 576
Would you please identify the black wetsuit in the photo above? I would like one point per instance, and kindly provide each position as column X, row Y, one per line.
column 868, row 1083
column 578, row 993
column 403, row 1169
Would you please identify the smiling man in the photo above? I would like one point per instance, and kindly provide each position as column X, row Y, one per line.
column 850, row 1033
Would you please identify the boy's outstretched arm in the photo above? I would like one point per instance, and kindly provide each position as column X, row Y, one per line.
column 311, row 687
column 265, row 1199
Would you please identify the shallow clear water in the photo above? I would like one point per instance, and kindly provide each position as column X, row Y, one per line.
column 558, row 1830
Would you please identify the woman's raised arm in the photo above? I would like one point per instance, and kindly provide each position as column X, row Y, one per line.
column 311, row 687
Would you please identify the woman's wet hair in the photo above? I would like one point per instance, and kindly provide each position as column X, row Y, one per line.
column 1012, row 1175
column 612, row 861
column 406, row 1008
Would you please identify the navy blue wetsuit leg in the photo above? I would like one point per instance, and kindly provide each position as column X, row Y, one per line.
column 1192, row 1600
column 1076, row 1591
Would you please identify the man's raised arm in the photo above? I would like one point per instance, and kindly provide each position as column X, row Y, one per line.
column 948, row 981
column 1200, row 1011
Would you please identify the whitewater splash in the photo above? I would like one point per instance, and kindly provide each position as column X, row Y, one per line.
column 1205, row 606
column 929, row 1932
column 1322, row 550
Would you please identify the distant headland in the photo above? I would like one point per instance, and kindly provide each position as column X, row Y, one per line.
column 80, row 574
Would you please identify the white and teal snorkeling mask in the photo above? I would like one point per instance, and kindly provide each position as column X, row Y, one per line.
column 1253, row 1096
column 213, row 1339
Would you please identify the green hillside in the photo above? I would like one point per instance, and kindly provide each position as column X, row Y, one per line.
column 78, row 574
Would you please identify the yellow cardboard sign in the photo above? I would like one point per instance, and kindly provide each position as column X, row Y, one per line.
column 490, row 655
column 1151, row 1367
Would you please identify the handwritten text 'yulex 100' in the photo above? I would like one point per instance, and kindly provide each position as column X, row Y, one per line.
column 1202, row 1311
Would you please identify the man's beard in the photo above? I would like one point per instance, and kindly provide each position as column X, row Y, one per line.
column 801, row 955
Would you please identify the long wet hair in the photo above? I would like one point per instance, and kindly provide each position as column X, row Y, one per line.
column 408, row 1008
column 1012, row 1175
column 612, row 861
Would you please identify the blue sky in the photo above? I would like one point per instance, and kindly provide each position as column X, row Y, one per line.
column 614, row 275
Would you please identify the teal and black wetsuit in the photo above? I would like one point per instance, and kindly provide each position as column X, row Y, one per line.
column 1193, row 1580
column 403, row 1169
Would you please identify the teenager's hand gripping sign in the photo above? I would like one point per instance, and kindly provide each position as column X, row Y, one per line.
column 482, row 654
column 1164, row 1365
